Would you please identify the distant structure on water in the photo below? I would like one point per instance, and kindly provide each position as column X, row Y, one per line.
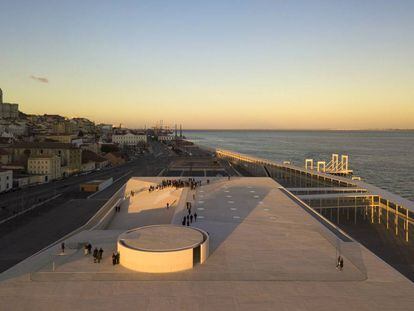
column 334, row 167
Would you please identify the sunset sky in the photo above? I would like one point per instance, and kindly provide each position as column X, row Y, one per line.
column 212, row 64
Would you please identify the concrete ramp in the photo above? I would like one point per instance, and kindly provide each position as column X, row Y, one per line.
column 147, row 208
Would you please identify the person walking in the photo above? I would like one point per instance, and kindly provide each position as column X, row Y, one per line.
column 62, row 247
column 195, row 216
column 100, row 252
column 191, row 218
column 113, row 259
column 85, row 249
column 341, row 264
column 89, row 248
column 117, row 257
column 95, row 255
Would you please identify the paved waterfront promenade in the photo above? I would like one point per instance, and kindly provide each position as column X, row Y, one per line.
column 266, row 253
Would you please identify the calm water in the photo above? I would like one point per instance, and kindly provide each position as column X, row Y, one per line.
column 385, row 158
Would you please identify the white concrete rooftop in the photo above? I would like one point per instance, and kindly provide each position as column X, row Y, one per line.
column 266, row 253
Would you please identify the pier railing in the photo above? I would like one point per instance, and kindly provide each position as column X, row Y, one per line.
column 291, row 176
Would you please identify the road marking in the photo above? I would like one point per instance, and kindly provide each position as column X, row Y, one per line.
column 30, row 208
column 233, row 208
column 200, row 208
column 200, row 202
column 230, row 202
column 236, row 217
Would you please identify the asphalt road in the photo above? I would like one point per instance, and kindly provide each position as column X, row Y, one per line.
column 34, row 230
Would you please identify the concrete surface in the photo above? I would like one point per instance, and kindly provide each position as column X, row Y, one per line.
column 162, row 238
column 266, row 253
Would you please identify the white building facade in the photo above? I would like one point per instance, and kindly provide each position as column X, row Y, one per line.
column 129, row 139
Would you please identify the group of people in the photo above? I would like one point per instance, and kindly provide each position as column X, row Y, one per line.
column 177, row 183
column 340, row 263
column 187, row 219
column 97, row 255
column 115, row 258
column 193, row 184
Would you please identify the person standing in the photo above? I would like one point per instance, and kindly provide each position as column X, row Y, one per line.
column 89, row 248
column 191, row 218
column 195, row 216
column 113, row 259
column 100, row 252
column 62, row 247
column 85, row 249
column 95, row 255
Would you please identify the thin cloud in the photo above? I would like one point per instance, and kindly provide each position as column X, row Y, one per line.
column 39, row 79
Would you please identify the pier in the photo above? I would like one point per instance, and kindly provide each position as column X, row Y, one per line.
column 350, row 204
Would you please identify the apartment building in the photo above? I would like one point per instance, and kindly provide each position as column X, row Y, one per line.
column 47, row 165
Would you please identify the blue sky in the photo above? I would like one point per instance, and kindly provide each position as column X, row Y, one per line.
column 213, row 64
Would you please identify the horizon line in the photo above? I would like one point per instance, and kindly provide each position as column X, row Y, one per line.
column 305, row 129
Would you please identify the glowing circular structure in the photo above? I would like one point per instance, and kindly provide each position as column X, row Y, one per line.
column 162, row 248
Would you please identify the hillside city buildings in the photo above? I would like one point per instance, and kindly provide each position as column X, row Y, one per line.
column 36, row 149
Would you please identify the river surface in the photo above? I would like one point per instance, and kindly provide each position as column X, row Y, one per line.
column 382, row 158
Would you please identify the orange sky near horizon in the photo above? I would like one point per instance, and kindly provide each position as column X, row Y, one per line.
column 213, row 65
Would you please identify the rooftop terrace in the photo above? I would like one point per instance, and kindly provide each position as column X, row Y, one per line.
column 267, row 252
